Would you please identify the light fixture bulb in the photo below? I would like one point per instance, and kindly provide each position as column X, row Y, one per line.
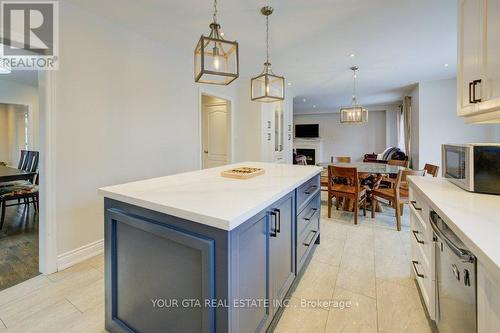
column 216, row 62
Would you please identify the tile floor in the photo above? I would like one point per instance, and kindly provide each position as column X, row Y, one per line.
column 365, row 266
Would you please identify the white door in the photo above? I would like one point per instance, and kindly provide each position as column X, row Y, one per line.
column 215, row 136
column 469, row 58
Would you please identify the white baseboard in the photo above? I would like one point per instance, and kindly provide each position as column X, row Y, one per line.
column 85, row 252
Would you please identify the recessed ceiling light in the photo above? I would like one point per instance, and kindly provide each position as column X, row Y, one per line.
column 304, row 100
column 289, row 83
column 352, row 55
column 446, row 65
column 314, row 106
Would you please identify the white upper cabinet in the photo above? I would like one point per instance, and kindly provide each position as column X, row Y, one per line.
column 478, row 71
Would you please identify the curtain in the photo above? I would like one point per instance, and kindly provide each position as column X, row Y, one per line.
column 407, row 125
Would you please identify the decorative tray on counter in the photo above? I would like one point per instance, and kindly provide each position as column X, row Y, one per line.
column 243, row 173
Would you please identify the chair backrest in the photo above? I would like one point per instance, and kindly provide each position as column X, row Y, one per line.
column 340, row 159
column 399, row 163
column 431, row 169
column 301, row 159
column 30, row 163
column 345, row 173
column 22, row 158
column 401, row 187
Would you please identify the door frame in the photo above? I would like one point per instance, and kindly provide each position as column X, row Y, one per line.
column 230, row 107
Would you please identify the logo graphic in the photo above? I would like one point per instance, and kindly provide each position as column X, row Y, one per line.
column 30, row 34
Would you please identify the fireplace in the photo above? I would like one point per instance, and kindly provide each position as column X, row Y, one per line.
column 310, row 155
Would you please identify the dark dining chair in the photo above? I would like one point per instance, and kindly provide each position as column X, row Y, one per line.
column 19, row 194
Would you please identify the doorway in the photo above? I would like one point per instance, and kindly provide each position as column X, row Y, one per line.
column 19, row 174
column 215, row 131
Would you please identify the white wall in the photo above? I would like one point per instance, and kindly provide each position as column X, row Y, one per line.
column 12, row 92
column 348, row 140
column 4, row 144
column 12, row 132
column 127, row 109
column 439, row 124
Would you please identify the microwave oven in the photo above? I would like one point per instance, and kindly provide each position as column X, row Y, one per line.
column 473, row 167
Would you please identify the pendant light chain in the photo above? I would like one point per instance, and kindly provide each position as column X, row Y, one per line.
column 267, row 38
column 354, row 99
column 215, row 11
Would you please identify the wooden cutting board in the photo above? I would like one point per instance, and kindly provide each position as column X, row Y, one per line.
column 243, row 173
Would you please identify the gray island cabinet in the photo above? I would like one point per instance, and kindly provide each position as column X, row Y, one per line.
column 197, row 252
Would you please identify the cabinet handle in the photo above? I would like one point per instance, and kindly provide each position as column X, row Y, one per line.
column 289, row 137
column 471, row 101
column 310, row 241
column 414, row 204
column 415, row 235
column 474, row 83
column 268, row 136
column 414, row 263
column 289, row 128
column 311, row 189
column 274, row 232
column 278, row 219
column 268, row 124
column 313, row 212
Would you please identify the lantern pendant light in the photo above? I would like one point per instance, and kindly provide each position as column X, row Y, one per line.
column 267, row 87
column 216, row 60
column 354, row 114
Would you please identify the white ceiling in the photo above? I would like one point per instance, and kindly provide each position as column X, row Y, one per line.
column 27, row 77
column 396, row 42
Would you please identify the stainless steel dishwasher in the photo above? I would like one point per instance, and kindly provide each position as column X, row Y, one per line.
column 456, row 281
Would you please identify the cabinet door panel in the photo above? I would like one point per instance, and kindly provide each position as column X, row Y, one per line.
column 469, row 55
column 282, row 250
column 250, row 275
column 492, row 50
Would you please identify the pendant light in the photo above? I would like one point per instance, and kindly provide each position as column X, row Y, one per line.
column 267, row 87
column 354, row 114
column 216, row 60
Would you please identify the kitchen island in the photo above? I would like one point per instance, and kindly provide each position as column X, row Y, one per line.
column 197, row 252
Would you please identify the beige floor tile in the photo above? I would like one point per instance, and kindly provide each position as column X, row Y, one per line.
column 297, row 318
column 399, row 309
column 329, row 251
column 394, row 268
column 357, row 274
column 90, row 321
column 72, row 271
column 48, row 319
column 331, row 229
column 97, row 262
column 317, row 282
column 20, row 290
column 360, row 315
column 88, row 297
column 388, row 242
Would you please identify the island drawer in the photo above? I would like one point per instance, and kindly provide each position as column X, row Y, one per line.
column 308, row 215
column 306, row 240
column 306, row 191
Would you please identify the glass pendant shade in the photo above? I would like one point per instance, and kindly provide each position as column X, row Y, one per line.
column 268, row 87
column 354, row 115
column 216, row 60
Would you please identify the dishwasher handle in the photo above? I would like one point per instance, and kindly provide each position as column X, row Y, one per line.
column 461, row 253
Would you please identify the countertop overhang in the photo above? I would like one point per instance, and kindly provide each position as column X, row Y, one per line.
column 204, row 196
column 474, row 217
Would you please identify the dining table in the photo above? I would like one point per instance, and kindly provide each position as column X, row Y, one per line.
column 364, row 169
column 8, row 174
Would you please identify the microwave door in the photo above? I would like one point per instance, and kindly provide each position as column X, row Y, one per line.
column 455, row 163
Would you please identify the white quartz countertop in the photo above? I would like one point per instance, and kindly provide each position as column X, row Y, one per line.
column 206, row 197
column 474, row 217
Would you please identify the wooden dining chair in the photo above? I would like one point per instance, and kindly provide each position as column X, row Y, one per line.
column 397, row 196
column 349, row 188
column 340, row 159
column 431, row 169
column 401, row 163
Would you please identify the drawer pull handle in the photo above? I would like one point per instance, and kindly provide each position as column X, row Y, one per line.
column 311, row 189
column 414, row 263
column 313, row 212
column 274, row 228
column 415, row 235
column 310, row 241
column 414, row 204
column 278, row 219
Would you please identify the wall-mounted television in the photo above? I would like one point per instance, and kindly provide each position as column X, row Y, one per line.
column 307, row 131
